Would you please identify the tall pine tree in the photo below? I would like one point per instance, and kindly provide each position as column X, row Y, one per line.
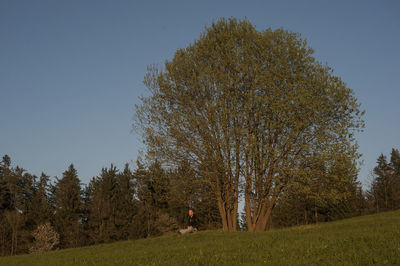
column 68, row 208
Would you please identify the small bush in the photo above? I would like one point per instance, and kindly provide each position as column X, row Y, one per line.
column 46, row 238
column 165, row 223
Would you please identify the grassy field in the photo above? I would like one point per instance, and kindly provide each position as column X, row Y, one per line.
column 367, row 240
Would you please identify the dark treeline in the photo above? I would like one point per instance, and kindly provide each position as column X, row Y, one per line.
column 384, row 194
column 316, row 203
column 151, row 201
column 115, row 205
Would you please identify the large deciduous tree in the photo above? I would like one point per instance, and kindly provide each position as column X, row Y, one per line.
column 247, row 107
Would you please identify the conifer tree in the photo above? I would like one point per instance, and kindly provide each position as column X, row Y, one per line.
column 5, row 196
column 385, row 188
column 68, row 208
column 41, row 210
column 395, row 178
column 126, row 203
column 102, row 205
column 153, row 193
column 381, row 184
column 5, row 205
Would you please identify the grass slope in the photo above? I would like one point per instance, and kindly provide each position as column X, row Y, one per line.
column 373, row 239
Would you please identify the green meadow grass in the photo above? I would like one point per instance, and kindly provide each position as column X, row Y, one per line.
column 367, row 240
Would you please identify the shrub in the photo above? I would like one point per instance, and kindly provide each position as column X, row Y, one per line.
column 46, row 238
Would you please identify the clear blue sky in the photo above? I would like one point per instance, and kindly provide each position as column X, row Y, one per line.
column 71, row 71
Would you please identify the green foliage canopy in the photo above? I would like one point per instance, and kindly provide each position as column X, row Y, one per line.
column 247, row 107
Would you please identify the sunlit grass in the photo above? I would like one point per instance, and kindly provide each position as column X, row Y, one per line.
column 366, row 240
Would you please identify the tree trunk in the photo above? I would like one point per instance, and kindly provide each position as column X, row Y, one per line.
column 315, row 211
column 222, row 213
column 16, row 241
column 228, row 217
column 12, row 243
column 227, row 201
column 386, row 196
column 305, row 217
column 259, row 222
